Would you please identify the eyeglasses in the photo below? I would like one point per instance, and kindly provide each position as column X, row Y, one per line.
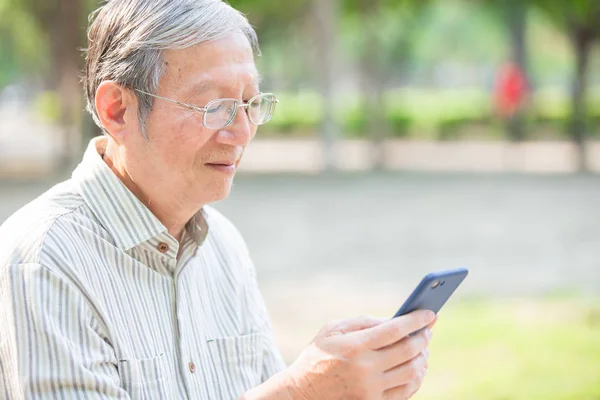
column 220, row 113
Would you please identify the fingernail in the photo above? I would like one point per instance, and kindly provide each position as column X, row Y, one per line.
column 430, row 315
column 428, row 333
column 426, row 353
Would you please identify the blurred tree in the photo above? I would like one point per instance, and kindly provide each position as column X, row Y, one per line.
column 514, row 15
column 580, row 20
column 517, row 22
column 57, row 29
column 325, row 17
column 271, row 17
column 380, row 51
column 19, row 43
column 320, row 19
column 373, row 77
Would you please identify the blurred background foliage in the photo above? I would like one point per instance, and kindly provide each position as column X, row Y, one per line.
column 364, row 68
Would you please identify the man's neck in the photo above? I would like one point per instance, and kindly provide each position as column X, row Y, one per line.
column 170, row 214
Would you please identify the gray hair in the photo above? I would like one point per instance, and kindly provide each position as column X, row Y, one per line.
column 127, row 39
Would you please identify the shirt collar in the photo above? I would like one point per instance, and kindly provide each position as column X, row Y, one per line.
column 121, row 213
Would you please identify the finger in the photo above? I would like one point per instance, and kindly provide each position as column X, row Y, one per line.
column 403, row 351
column 432, row 323
column 405, row 373
column 403, row 392
column 352, row 325
column 414, row 386
column 395, row 329
column 429, row 326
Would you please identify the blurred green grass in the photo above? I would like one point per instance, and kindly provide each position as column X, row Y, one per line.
column 516, row 350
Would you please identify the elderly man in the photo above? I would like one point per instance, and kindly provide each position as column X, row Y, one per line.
column 123, row 283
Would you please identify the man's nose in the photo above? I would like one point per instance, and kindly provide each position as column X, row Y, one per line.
column 239, row 132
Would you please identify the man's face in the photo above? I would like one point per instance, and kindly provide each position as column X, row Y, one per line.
column 183, row 158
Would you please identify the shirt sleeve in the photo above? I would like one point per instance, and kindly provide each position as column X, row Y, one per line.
column 272, row 359
column 52, row 345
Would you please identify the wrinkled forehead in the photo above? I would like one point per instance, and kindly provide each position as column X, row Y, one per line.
column 223, row 63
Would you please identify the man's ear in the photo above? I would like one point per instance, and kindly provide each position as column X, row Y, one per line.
column 114, row 104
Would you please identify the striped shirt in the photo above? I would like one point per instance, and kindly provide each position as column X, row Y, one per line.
column 95, row 302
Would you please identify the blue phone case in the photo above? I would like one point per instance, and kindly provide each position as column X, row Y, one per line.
column 434, row 291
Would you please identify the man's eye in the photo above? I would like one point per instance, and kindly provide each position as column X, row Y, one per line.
column 215, row 108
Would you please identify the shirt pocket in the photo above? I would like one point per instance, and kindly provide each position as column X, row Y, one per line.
column 146, row 378
column 238, row 361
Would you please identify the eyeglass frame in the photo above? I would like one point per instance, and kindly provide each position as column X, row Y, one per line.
column 204, row 109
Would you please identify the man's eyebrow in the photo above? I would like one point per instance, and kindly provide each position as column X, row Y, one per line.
column 201, row 86
column 207, row 84
column 258, row 80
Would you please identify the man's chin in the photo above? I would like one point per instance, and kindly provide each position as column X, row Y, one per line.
column 217, row 191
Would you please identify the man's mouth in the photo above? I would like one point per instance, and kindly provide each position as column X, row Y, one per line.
column 223, row 166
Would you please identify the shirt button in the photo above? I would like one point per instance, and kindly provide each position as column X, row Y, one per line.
column 163, row 247
column 192, row 367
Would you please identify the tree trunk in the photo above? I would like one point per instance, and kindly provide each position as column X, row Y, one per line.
column 68, row 35
column 372, row 81
column 61, row 21
column 325, row 13
column 578, row 118
column 517, row 23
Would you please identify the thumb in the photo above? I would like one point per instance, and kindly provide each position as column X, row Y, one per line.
column 341, row 327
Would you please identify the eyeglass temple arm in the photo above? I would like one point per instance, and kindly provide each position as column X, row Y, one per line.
column 184, row 105
column 248, row 104
column 189, row 106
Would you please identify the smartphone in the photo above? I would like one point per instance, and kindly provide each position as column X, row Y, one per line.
column 434, row 291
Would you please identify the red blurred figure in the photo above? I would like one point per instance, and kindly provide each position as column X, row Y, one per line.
column 510, row 90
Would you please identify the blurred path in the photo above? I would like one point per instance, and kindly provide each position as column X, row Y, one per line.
column 32, row 151
column 518, row 234
column 306, row 155
column 388, row 228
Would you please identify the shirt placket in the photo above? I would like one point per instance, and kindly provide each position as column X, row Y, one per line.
column 167, row 249
column 197, row 371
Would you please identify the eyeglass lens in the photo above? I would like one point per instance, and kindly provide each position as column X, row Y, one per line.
column 220, row 113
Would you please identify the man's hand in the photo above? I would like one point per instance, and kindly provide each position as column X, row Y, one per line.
column 364, row 358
